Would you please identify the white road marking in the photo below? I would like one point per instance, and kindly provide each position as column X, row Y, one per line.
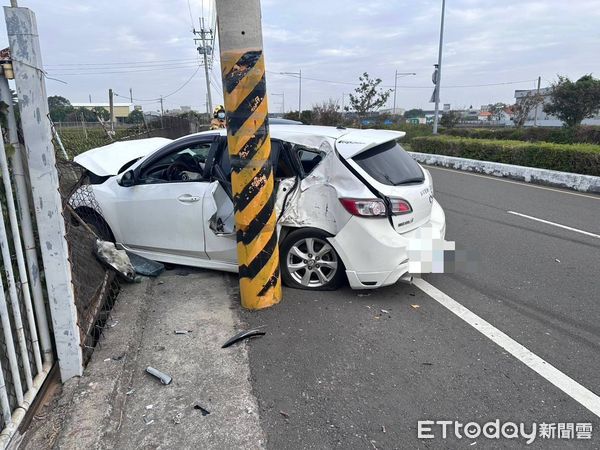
column 566, row 384
column 587, row 233
column 520, row 183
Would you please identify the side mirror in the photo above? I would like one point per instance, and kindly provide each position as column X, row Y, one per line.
column 127, row 179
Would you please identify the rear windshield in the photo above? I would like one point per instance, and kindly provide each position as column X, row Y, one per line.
column 390, row 164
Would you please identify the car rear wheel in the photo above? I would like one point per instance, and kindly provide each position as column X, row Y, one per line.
column 308, row 261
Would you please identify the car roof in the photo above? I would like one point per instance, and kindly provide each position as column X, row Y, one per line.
column 348, row 141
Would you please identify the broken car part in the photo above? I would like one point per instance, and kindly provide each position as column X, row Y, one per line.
column 204, row 411
column 243, row 335
column 163, row 377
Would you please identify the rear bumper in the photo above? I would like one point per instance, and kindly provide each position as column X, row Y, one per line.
column 374, row 254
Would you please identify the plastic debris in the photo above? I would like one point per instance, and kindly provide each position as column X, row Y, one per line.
column 163, row 377
column 284, row 414
column 117, row 260
column 384, row 311
column 144, row 266
column 182, row 331
column 557, row 260
column 243, row 335
column 383, row 428
column 149, row 406
column 177, row 418
column 416, row 306
column 130, row 392
column 204, row 411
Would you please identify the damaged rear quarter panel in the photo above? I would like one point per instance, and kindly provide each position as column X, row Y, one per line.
column 315, row 201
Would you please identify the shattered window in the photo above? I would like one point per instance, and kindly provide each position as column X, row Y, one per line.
column 309, row 159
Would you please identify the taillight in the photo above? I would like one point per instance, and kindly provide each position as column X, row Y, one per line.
column 364, row 208
column 400, row 206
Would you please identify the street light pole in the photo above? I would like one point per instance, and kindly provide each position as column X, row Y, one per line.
column 401, row 74
column 438, row 78
column 299, row 75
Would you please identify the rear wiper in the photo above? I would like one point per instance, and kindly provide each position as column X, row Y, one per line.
column 410, row 180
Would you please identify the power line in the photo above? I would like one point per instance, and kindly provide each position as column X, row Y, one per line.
column 127, row 71
column 403, row 87
column 155, row 100
column 162, row 61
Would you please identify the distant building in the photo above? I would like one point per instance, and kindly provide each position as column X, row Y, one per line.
column 543, row 119
column 392, row 111
column 121, row 110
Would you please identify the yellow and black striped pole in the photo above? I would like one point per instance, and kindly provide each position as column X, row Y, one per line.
column 252, row 177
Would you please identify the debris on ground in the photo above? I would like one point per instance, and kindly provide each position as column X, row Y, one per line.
column 416, row 306
column 146, row 421
column 204, row 411
column 115, row 259
column 144, row 266
column 284, row 414
column 384, row 311
column 182, row 331
column 363, row 294
column 557, row 260
column 163, row 377
column 243, row 335
column 177, row 418
column 383, row 428
column 131, row 391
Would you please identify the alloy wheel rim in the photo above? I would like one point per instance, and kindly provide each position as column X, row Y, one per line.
column 312, row 262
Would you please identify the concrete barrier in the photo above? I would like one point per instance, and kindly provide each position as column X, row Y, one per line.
column 583, row 183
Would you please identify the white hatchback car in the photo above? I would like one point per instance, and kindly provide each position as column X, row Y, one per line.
column 348, row 203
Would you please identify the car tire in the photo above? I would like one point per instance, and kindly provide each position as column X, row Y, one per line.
column 97, row 223
column 308, row 261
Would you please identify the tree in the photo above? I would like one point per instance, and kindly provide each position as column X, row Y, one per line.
column 135, row 116
column 59, row 108
column 415, row 112
column 307, row 116
column 498, row 110
column 327, row 113
column 572, row 102
column 524, row 106
column 101, row 112
column 450, row 119
column 368, row 97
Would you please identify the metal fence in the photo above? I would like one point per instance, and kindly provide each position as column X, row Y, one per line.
column 25, row 344
column 96, row 287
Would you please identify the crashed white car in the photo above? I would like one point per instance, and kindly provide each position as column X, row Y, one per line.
column 348, row 203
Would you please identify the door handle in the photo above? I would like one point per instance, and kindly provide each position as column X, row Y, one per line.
column 187, row 198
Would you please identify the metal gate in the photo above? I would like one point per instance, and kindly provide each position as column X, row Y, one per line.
column 26, row 353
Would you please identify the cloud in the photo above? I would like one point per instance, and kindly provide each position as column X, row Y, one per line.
column 485, row 42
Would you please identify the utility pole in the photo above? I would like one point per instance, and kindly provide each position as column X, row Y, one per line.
column 299, row 75
column 162, row 113
column 90, row 98
column 438, row 72
column 206, row 49
column 131, row 95
column 535, row 117
column 111, row 108
column 252, row 177
column 401, row 74
column 282, row 100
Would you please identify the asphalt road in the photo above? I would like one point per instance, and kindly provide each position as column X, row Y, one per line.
column 334, row 371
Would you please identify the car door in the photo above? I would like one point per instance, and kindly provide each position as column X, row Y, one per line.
column 220, row 236
column 161, row 214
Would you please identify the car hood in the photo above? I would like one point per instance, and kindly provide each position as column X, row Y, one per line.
column 107, row 160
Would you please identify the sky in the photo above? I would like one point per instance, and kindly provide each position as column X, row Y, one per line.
column 491, row 48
